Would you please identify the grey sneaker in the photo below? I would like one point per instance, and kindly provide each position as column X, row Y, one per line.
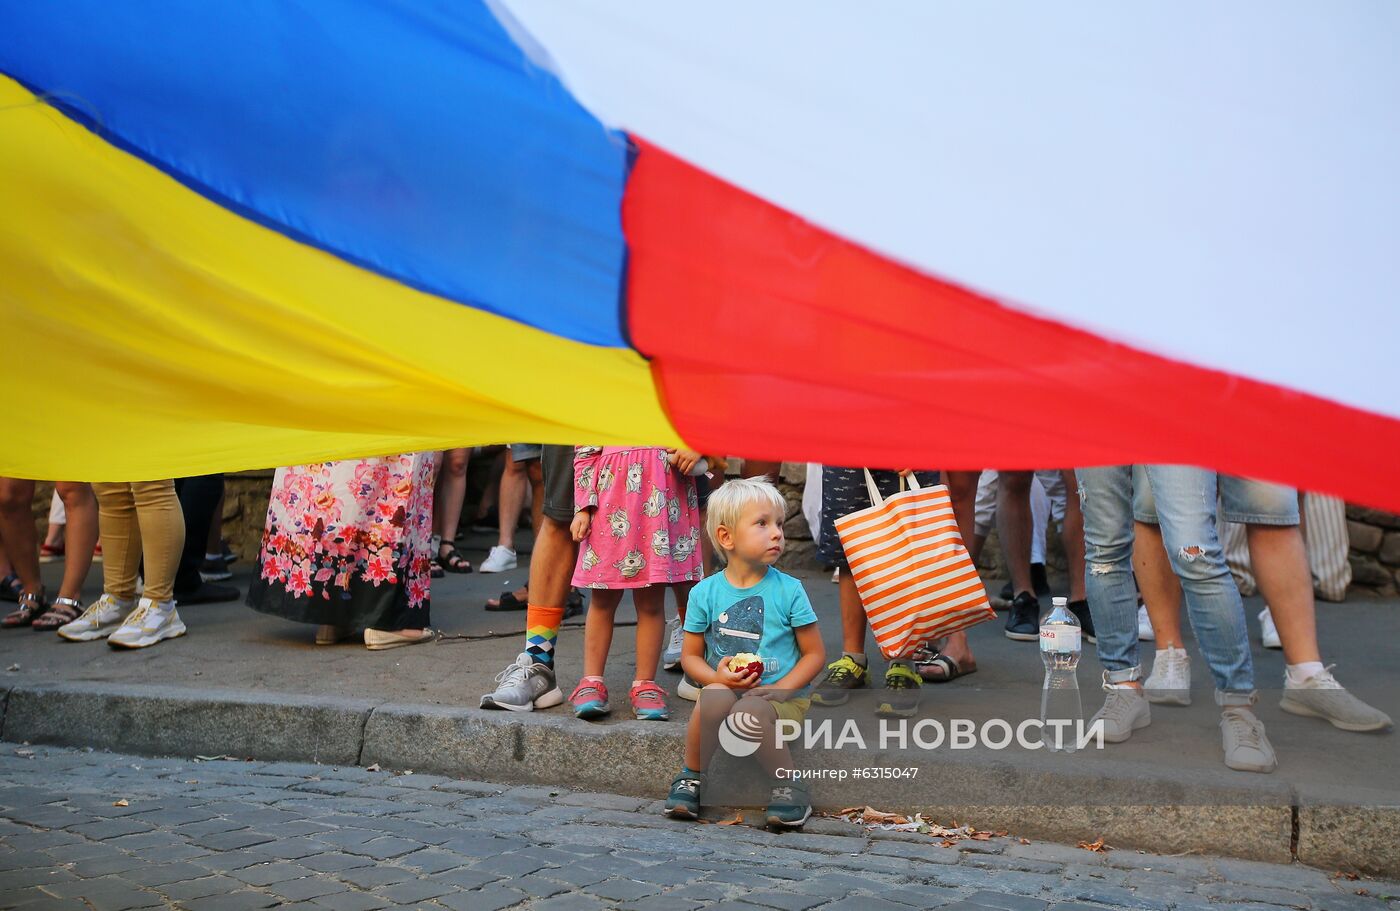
column 1170, row 680
column 1247, row 747
column 1124, row 711
column 675, row 636
column 1321, row 696
column 524, row 686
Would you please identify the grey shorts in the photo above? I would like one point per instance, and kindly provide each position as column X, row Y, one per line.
column 557, row 465
column 525, row 452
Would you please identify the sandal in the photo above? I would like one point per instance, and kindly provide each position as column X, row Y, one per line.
column 11, row 588
column 30, row 607
column 452, row 560
column 950, row 669
column 508, row 601
column 435, row 569
column 62, row 612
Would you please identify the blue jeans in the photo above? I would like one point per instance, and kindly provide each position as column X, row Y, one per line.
column 1242, row 500
column 1111, row 498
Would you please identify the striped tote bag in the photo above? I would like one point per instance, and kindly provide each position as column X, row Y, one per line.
column 909, row 564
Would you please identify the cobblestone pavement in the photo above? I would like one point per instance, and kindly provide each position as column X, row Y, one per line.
column 104, row 832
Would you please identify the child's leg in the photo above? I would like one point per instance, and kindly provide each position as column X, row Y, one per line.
column 702, row 734
column 682, row 590
column 598, row 630
column 771, row 754
column 651, row 628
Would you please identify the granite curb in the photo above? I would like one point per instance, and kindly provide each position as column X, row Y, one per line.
column 638, row 758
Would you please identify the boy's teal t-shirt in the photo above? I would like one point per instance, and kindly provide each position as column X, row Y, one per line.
column 760, row 619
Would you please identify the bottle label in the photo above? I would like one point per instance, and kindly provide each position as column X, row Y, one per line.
column 1059, row 639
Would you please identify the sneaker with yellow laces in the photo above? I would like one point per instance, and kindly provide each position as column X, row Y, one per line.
column 901, row 696
column 99, row 621
column 842, row 676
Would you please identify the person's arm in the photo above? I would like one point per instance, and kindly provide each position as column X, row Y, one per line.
column 809, row 643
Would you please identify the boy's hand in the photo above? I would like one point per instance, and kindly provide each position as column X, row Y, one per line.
column 685, row 460
column 735, row 681
column 771, row 693
column 904, row 472
column 579, row 527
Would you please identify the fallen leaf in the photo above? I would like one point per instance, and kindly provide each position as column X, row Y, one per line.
column 13, row 667
column 372, row 768
column 981, row 836
column 27, row 754
column 1363, row 892
column 216, row 758
column 737, row 820
column 122, row 803
column 1025, row 841
column 1096, row 846
column 948, row 844
column 1350, row 877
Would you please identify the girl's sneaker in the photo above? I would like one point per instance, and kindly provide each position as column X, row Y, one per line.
column 590, row 698
column 789, row 805
column 151, row 622
column 97, row 622
column 649, row 701
column 684, row 800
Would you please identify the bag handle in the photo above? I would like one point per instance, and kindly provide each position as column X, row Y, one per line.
column 875, row 498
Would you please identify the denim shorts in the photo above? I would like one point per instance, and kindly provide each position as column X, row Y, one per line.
column 525, row 452
column 1242, row 500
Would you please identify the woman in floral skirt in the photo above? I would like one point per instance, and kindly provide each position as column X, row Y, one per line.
column 347, row 546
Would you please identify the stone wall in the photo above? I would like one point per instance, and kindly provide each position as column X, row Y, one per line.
column 1375, row 549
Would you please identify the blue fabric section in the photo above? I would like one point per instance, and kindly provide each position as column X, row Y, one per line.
column 412, row 138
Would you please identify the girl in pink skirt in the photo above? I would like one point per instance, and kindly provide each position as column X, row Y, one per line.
column 638, row 521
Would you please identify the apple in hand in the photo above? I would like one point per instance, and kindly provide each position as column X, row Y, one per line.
column 746, row 663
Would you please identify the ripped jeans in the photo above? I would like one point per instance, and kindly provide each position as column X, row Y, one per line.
column 1186, row 510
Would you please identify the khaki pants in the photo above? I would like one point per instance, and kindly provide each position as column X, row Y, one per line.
column 140, row 519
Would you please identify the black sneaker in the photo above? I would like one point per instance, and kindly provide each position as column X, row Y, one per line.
column 842, row 676
column 214, row 570
column 902, row 691
column 1006, row 594
column 1023, row 623
column 1080, row 609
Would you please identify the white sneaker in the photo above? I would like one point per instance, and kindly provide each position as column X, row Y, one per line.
column 1170, row 680
column 836, row 575
column 151, row 622
column 499, row 560
column 97, row 622
column 687, row 689
column 1268, row 633
column 671, row 657
column 1124, row 711
column 1145, row 625
column 1246, row 746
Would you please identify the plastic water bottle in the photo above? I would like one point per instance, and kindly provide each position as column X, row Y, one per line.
column 1059, row 699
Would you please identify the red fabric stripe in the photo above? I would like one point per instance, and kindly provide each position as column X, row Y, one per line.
column 773, row 338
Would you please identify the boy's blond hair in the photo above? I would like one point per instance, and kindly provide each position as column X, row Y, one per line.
column 727, row 505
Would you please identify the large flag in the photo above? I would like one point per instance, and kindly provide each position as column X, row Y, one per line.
column 247, row 234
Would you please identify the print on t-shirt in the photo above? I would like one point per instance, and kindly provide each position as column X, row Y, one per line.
column 740, row 628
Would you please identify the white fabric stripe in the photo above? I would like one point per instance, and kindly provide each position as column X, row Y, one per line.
column 1325, row 527
column 932, row 505
column 878, row 610
column 1215, row 164
column 874, row 554
column 912, row 562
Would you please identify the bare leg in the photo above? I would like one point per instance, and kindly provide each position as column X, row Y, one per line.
column 552, row 566
column 771, row 755
column 81, row 507
column 17, row 525
column 962, row 490
column 1161, row 590
column 650, row 603
column 702, row 734
column 1073, row 537
column 511, row 501
column 852, row 616
column 1280, row 564
column 536, row 472
column 598, row 630
column 451, row 489
column 1014, row 526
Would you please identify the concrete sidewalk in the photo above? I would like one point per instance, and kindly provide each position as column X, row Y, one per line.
column 245, row 684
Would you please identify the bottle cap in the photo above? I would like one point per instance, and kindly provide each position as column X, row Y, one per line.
column 1059, row 602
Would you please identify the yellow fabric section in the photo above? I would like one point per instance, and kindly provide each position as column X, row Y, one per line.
column 146, row 332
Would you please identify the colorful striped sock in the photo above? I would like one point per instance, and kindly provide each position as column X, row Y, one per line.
column 541, row 629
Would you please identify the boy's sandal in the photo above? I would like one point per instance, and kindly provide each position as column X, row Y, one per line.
column 62, row 612
column 453, row 561
column 30, row 607
column 947, row 669
column 11, row 588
